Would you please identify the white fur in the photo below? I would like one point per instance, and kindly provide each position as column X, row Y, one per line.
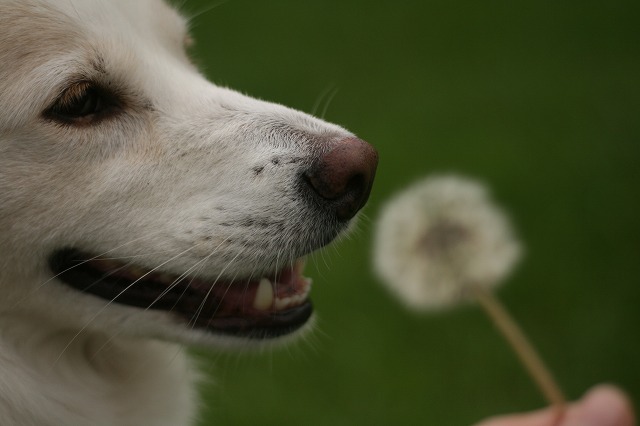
column 172, row 181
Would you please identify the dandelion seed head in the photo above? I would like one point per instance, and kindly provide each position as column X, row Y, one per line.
column 440, row 236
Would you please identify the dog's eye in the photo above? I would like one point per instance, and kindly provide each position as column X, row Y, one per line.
column 83, row 103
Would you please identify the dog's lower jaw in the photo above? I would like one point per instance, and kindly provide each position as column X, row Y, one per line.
column 94, row 379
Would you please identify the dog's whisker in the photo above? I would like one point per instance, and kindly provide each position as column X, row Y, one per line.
column 328, row 102
column 194, row 318
column 204, row 300
column 109, row 274
column 181, row 278
column 276, row 266
column 199, row 264
column 191, row 17
column 323, row 257
column 136, row 256
column 199, row 268
column 109, row 303
column 363, row 218
column 47, row 281
column 202, row 263
column 316, row 105
column 184, row 291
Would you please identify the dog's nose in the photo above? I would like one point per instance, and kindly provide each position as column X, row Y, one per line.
column 343, row 176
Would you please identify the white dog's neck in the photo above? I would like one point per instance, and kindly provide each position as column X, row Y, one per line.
column 84, row 378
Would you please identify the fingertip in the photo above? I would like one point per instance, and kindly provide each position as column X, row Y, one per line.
column 607, row 405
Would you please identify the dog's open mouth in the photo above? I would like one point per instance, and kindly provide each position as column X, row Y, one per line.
column 265, row 307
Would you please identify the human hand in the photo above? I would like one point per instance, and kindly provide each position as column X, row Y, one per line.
column 602, row 406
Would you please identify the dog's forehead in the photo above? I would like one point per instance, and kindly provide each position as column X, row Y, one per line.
column 55, row 25
column 154, row 17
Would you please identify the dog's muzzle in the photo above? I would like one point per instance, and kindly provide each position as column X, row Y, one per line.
column 338, row 183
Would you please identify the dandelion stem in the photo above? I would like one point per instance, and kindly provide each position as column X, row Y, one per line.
column 522, row 347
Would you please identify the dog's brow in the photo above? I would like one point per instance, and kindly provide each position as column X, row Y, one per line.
column 98, row 64
column 94, row 69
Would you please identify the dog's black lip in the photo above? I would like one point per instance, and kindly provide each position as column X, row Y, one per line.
column 70, row 266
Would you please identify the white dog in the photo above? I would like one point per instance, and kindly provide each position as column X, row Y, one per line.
column 142, row 205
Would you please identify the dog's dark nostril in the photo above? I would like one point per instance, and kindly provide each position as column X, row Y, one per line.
column 344, row 175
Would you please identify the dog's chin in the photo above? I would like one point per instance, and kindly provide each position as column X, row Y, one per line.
column 261, row 308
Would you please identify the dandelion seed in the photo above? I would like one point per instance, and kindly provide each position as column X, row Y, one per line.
column 442, row 242
column 438, row 238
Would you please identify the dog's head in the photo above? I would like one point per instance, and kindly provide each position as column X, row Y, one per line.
column 138, row 198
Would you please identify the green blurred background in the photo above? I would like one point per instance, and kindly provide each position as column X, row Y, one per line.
column 539, row 99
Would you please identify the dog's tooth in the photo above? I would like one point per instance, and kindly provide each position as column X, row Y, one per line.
column 264, row 295
column 296, row 299
column 286, row 302
column 306, row 289
column 283, row 303
column 308, row 284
